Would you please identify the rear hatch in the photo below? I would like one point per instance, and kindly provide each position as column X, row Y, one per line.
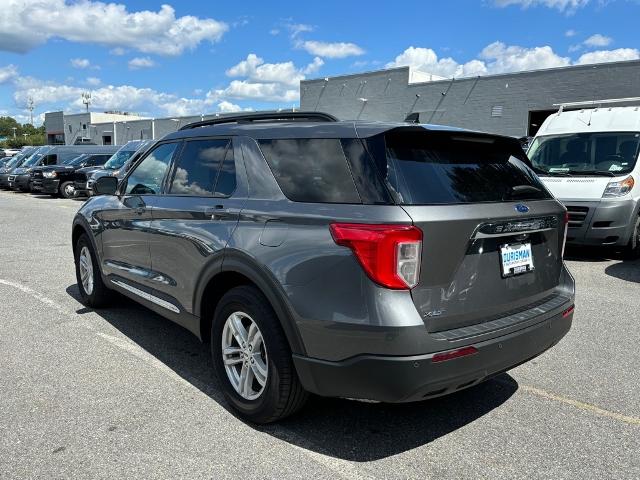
column 492, row 233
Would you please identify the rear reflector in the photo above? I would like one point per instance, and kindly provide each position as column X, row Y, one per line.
column 450, row 355
column 568, row 311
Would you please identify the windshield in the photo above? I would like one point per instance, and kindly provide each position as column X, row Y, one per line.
column 118, row 159
column 604, row 153
column 76, row 160
column 37, row 155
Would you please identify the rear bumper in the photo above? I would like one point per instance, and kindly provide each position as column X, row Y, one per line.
column 601, row 223
column 414, row 378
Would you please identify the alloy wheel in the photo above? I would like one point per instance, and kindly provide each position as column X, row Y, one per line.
column 86, row 270
column 244, row 355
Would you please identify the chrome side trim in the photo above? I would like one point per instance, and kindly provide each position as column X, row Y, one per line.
column 147, row 296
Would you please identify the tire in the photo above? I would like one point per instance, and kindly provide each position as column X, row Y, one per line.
column 98, row 295
column 281, row 395
column 67, row 189
column 632, row 251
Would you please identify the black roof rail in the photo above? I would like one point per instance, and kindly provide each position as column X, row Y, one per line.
column 265, row 116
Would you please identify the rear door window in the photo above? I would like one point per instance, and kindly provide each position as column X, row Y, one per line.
column 226, row 182
column 311, row 170
column 198, row 167
column 423, row 168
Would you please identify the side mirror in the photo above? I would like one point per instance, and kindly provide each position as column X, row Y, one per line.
column 105, row 186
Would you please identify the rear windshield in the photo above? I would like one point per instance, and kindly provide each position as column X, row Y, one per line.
column 422, row 168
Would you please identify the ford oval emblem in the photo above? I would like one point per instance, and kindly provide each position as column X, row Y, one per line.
column 521, row 208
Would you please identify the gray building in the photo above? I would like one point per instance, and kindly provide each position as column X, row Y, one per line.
column 510, row 104
column 112, row 128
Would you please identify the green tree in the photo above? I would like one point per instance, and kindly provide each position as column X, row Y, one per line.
column 7, row 124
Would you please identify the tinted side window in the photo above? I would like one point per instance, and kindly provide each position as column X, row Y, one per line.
column 311, row 170
column 198, row 167
column 148, row 176
column 50, row 159
column 226, row 183
column 97, row 160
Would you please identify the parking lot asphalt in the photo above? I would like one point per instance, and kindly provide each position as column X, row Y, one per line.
column 123, row 393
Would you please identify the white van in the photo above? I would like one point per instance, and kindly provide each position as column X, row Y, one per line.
column 588, row 159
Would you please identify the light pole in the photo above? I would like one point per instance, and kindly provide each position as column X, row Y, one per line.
column 14, row 131
column 30, row 106
column 86, row 99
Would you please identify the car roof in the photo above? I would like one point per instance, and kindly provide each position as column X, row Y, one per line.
column 298, row 129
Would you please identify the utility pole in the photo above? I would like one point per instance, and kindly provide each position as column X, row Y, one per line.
column 30, row 107
column 86, row 99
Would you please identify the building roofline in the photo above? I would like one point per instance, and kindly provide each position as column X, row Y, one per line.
column 498, row 75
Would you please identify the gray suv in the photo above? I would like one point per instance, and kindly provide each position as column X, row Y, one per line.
column 378, row 261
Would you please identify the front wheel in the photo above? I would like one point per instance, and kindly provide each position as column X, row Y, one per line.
column 252, row 358
column 632, row 251
column 67, row 190
column 93, row 292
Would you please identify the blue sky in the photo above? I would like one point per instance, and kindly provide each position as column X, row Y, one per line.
column 190, row 57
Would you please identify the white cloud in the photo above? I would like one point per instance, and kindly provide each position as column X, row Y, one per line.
column 118, row 51
column 314, row 66
column 603, row 56
column 8, row 73
column 426, row 60
column 561, row 5
column 502, row 58
column 269, row 82
column 244, row 90
column 494, row 58
column 141, row 62
column 598, row 40
column 570, row 33
column 93, row 81
column 228, row 107
column 296, row 29
column 331, row 50
column 80, row 63
column 25, row 25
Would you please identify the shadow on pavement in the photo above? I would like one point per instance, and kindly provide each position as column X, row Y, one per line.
column 629, row 271
column 592, row 254
column 344, row 429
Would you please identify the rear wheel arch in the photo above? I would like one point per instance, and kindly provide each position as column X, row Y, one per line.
column 239, row 271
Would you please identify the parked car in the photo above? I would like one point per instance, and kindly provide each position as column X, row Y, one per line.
column 116, row 166
column 19, row 178
column 13, row 163
column 51, row 155
column 58, row 180
column 8, row 152
column 589, row 160
column 379, row 261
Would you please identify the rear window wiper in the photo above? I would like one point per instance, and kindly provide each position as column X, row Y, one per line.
column 520, row 190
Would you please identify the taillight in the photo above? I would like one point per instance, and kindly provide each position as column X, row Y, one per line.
column 566, row 228
column 389, row 254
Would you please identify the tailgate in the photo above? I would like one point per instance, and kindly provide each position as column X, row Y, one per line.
column 463, row 281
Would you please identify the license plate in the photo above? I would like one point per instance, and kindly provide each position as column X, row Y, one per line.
column 516, row 259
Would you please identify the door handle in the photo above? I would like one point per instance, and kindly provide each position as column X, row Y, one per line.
column 140, row 210
column 217, row 212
